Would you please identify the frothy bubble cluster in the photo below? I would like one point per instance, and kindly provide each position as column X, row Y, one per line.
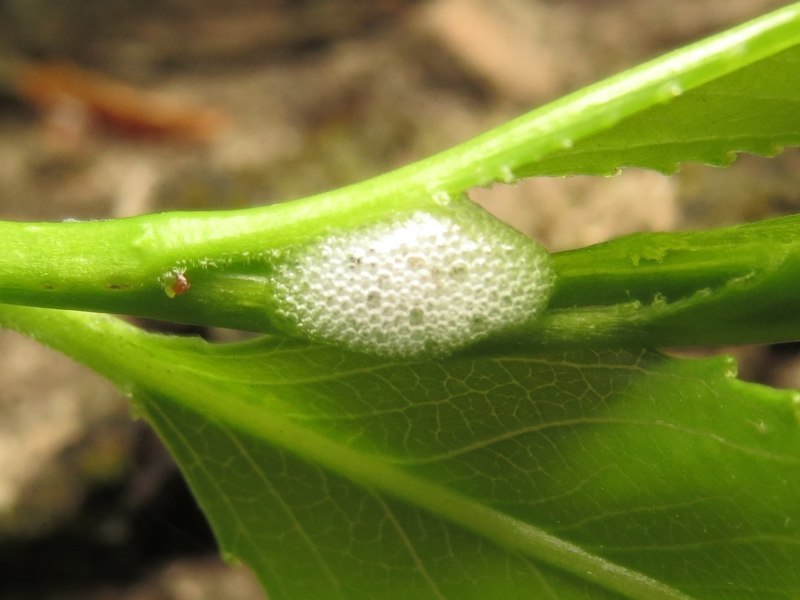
column 424, row 285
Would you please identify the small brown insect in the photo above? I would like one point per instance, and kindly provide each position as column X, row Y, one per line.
column 178, row 284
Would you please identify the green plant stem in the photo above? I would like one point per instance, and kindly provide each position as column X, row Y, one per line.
column 124, row 266
column 725, row 286
column 731, row 285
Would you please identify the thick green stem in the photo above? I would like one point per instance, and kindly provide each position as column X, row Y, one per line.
column 137, row 266
column 214, row 268
column 725, row 286
column 731, row 285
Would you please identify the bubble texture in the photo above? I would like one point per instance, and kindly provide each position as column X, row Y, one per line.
column 424, row 285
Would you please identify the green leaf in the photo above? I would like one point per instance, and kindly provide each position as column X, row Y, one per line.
column 755, row 109
column 732, row 92
column 578, row 475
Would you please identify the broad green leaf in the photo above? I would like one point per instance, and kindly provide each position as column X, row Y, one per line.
column 577, row 475
column 732, row 92
column 755, row 109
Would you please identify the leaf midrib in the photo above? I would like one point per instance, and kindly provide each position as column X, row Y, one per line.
column 371, row 472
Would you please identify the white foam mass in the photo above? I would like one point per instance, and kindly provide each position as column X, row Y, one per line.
column 426, row 284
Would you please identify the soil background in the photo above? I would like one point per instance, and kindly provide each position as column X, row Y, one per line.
column 277, row 100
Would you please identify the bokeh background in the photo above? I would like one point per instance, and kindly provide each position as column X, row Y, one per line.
column 111, row 108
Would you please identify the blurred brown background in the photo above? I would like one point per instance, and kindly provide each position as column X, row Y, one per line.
column 121, row 107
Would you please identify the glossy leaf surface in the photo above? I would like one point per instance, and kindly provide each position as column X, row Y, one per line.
column 524, row 475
